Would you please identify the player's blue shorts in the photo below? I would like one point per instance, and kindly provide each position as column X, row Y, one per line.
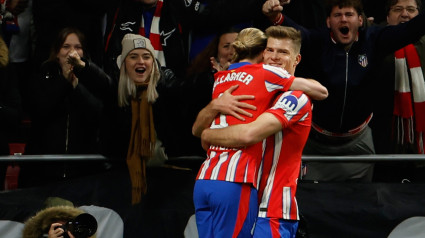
column 275, row 228
column 224, row 209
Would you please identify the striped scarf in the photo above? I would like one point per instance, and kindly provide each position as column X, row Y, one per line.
column 409, row 118
column 154, row 35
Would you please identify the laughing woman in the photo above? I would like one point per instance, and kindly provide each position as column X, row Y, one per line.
column 143, row 117
column 139, row 75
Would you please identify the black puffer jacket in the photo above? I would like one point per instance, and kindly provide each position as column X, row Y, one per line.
column 66, row 120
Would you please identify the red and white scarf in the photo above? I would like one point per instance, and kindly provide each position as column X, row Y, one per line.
column 154, row 35
column 409, row 117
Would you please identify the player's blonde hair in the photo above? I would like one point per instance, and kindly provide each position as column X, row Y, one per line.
column 249, row 44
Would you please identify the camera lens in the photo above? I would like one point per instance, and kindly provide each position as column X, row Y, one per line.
column 83, row 226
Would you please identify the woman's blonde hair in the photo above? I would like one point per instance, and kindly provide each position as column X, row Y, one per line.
column 127, row 88
column 249, row 44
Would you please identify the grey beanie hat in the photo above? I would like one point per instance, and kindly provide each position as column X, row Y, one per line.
column 131, row 42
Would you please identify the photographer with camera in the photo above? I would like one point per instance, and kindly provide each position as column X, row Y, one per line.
column 60, row 222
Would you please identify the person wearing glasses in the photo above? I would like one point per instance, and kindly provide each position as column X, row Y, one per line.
column 400, row 11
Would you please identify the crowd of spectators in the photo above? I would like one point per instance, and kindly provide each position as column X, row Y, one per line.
column 59, row 71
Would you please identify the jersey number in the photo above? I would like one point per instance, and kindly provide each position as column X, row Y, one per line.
column 219, row 122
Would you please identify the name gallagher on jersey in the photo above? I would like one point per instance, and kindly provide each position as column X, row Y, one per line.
column 232, row 76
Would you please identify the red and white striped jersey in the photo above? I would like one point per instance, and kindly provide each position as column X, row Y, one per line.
column 280, row 165
column 263, row 81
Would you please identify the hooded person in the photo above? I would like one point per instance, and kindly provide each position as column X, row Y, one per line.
column 40, row 224
column 139, row 76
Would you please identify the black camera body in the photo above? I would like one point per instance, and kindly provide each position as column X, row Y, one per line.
column 83, row 226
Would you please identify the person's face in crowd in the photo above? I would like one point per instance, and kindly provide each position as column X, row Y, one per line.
column 402, row 11
column 225, row 49
column 70, row 44
column 139, row 65
column 281, row 53
column 344, row 24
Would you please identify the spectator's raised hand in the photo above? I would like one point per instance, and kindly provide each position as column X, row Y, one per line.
column 74, row 59
column 283, row 2
column 220, row 65
column 272, row 8
column 66, row 70
column 68, row 74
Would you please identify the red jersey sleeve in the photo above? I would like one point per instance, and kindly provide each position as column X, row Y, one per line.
column 277, row 78
column 291, row 107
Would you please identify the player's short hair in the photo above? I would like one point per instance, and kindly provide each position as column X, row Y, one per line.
column 250, row 43
column 285, row 32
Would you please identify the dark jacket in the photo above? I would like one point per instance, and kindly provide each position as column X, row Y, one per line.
column 348, row 76
column 10, row 109
column 67, row 120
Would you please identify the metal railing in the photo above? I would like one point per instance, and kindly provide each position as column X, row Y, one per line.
column 305, row 158
column 53, row 158
column 364, row 158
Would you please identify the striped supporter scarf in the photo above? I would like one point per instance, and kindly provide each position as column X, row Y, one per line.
column 409, row 118
column 154, row 35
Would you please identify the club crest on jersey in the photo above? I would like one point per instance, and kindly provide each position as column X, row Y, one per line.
column 362, row 59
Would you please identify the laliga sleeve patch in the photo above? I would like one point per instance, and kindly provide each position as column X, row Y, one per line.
column 287, row 102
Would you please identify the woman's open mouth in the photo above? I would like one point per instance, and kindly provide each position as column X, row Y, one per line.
column 140, row 70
